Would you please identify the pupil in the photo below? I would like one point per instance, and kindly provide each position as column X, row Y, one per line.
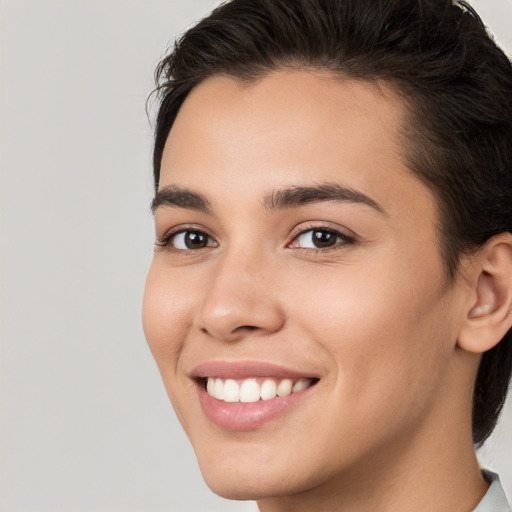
column 195, row 240
column 324, row 238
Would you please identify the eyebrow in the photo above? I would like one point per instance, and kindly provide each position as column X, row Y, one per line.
column 292, row 197
column 181, row 198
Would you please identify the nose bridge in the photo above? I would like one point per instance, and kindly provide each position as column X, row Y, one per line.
column 240, row 298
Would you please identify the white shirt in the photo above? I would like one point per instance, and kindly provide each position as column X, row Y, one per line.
column 495, row 499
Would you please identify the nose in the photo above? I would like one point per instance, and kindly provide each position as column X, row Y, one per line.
column 240, row 300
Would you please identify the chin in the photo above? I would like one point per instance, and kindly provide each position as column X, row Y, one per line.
column 255, row 486
column 256, row 474
column 237, row 489
column 247, row 475
column 237, row 478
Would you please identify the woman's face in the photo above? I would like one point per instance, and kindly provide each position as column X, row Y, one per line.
column 295, row 245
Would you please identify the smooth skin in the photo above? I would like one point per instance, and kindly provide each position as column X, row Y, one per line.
column 370, row 312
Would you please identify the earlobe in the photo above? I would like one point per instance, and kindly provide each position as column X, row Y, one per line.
column 489, row 316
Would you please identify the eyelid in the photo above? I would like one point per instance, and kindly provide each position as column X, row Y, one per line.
column 164, row 241
column 348, row 236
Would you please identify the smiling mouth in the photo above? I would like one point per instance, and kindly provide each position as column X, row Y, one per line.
column 246, row 395
column 252, row 390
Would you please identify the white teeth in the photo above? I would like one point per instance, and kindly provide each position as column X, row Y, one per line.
column 249, row 390
column 268, row 389
column 218, row 390
column 300, row 385
column 210, row 387
column 284, row 388
column 231, row 391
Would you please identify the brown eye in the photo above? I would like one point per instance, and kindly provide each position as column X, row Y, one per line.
column 320, row 239
column 324, row 238
column 190, row 240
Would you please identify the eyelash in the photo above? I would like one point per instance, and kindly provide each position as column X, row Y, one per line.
column 165, row 241
column 347, row 240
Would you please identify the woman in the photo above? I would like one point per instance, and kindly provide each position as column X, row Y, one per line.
column 330, row 298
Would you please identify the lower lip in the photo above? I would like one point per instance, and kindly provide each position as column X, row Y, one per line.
column 247, row 416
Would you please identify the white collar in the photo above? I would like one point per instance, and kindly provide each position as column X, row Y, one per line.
column 495, row 499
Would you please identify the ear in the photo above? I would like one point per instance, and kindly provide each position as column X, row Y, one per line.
column 489, row 313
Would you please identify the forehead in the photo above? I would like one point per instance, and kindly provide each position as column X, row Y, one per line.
column 290, row 128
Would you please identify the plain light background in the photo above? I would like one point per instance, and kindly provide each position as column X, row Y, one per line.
column 85, row 425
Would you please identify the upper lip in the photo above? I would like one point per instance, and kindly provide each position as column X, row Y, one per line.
column 246, row 369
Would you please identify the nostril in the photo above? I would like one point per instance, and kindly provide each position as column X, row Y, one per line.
column 246, row 329
column 239, row 329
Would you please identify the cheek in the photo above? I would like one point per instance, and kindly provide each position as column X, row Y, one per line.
column 383, row 333
column 165, row 316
